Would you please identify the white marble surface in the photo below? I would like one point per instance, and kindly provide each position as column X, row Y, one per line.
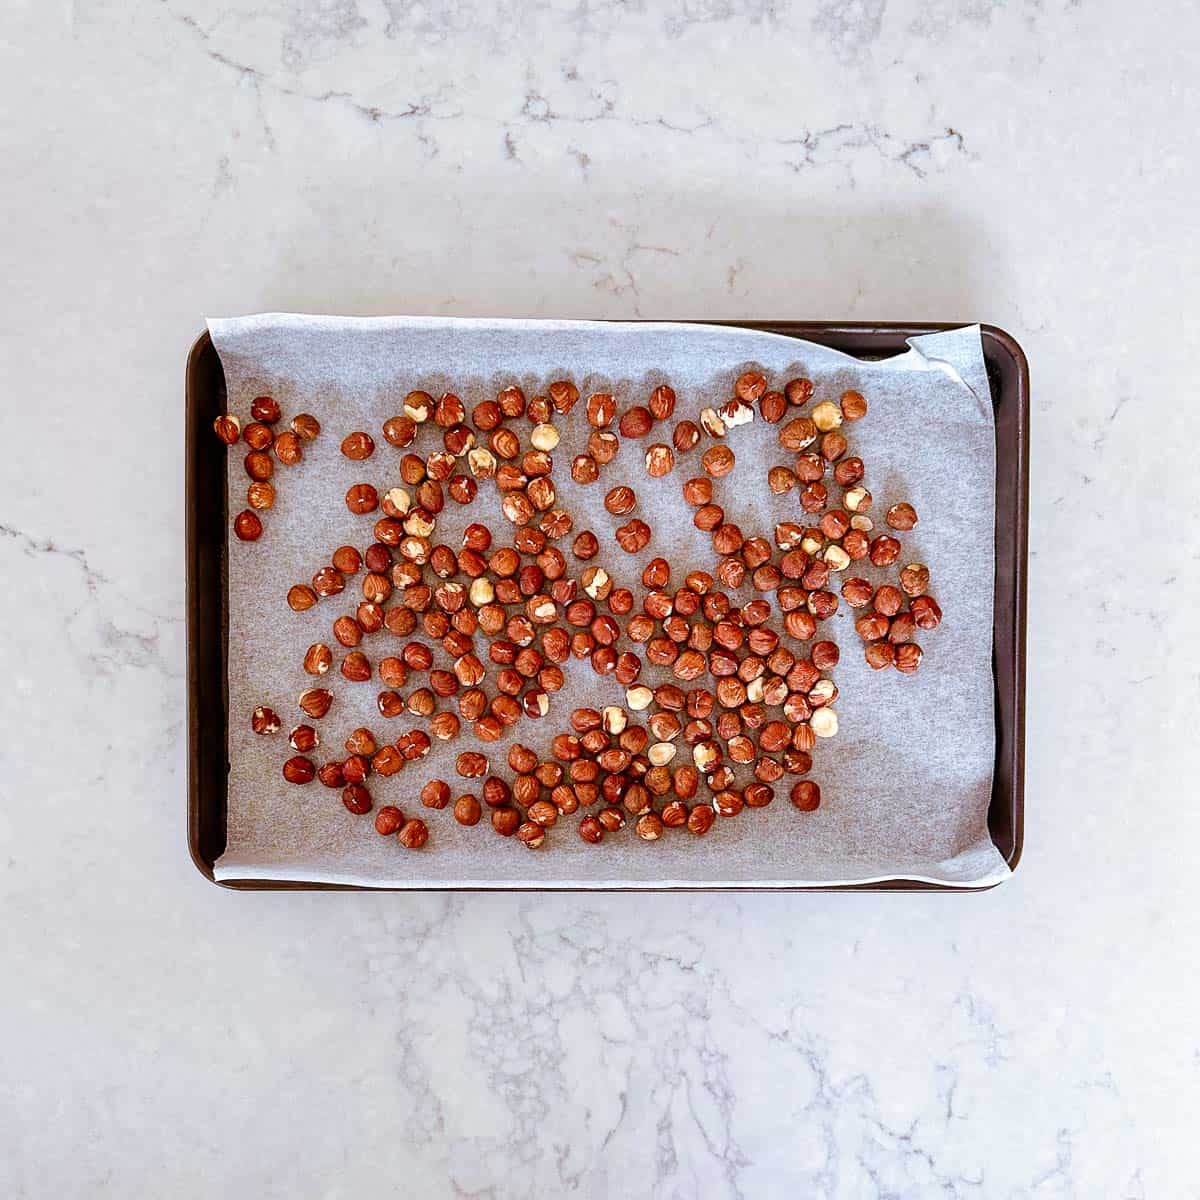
column 1030, row 164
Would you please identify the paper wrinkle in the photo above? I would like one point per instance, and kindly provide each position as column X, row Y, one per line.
column 905, row 785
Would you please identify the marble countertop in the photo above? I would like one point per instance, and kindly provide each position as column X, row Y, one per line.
column 1028, row 164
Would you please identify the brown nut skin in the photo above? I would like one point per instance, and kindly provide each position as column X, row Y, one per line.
column 357, row 799
column 247, row 526
column 288, row 449
column 685, row 436
column 885, row 550
column 806, row 795
column 798, row 391
column 857, row 592
column 718, row 461
column 901, row 516
column 635, row 422
column 662, row 402
column 318, row 659
column 772, row 406
column 388, row 820
column 888, row 600
column 315, row 702
column 620, row 501
column 358, row 446
column 228, row 428
column 506, row 821
column 880, row 655
column 926, row 612
column 914, row 579
column 467, row 810
column 257, row 436
column 854, row 406
column 299, row 769
column 590, row 830
column 435, row 794
column 414, row 833
column 265, row 721
column 660, row 460
column 265, row 409
column 260, row 495
column 303, row 739
column 362, row 498
column 700, row 820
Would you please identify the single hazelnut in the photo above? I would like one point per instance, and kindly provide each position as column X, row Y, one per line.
column 247, row 526
column 414, row 833
column 901, row 516
column 914, row 579
column 260, row 495
column 299, row 770
column 685, row 436
column 265, row 720
column 228, row 428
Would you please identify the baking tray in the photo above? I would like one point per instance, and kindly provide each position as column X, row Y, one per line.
column 208, row 598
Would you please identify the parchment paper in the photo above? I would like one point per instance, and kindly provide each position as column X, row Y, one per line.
column 905, row 784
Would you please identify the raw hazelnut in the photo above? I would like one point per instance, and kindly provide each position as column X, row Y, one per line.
column 718, row 461
column 265, row 720
column 901, row 516
column 914, row 579
column 247, row 526
column 857, row 592
column 299, row 770
column 228, row 428
column 586, row 545
column 806, row 795
column 635, row 422
column 798, row 433
column 662, row 402
column 564, row 395
column 544, row 437
column 304, row 739
column 711, row 423
column 591, row 830
column 685, row 436
column 388, row 820
column 288, row 449
column 926, row 612
column 884, row 550
column 318, row 659
column 414, row 833
column 449, row 410
column 880, row 655
column 700, row 820
column 260, row 495
column 357, row 799
column 660, row 460
column 620, row 500
column 824, row 722
column 257, row 436
column 387, row 761
column 358, row 446
column 467, row 810
column 362, row 498
column 772, row 406
column 603, row 447
column 265, row 409
column 356, row 667
column 601, row 408
column 315, row 702
column 854, row 406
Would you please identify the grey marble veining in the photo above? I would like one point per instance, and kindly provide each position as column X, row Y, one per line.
column 1029, row 164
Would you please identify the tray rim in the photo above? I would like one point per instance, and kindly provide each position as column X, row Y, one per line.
column 1007, row 353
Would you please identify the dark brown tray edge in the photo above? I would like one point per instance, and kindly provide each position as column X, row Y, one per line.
column 1010, row 363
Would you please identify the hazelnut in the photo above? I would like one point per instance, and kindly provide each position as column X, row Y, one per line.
column 711, row 423
column 362, row 498
column 901, row 516
column 857, row 592
column 318, row 659
column 228, row 428
column 772, row 406
column 304, row 738
column 299, row 770
column 601, row 408
column 660, row 460
column 685, row 436
column 257, row 436
column 564, row 395
column 926, row 612
column 265, row 720
column 824, row 722
column 265, row 409
column 315, row 702
column 467, row 810
column 885, row 550
column 356, row 798
column 718, row 461
column 797, row 434
column 414, row 833
column 662, row 402
column 914, row 579
column 544, row 437
column 880, row 655
column 635, row 422
column 780, row 480
column 826, row 416
column 857, row 500
column 247, row 526
column 358, row 446
column 620, row 500
column 388, row 820
column 260, row 495
column 806, row 795
column 288, row 449
column 854, row 406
